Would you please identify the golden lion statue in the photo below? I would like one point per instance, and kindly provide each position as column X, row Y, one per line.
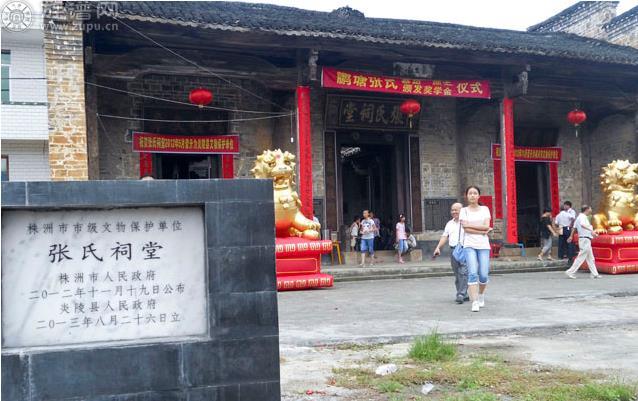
column 289, row 221
column 619, row 207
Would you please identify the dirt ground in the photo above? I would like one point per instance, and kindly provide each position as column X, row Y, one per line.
column 608, row 350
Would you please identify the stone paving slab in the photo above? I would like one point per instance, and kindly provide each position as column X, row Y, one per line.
column 397, row 310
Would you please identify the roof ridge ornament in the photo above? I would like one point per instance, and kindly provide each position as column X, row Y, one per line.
column 347, row 12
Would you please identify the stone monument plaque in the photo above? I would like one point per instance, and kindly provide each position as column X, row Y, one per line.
column 85, row 276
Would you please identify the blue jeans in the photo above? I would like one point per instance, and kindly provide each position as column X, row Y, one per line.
column 367, row 245
column 478, row 265
column 403, row 246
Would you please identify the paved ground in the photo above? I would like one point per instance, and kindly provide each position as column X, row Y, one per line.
column 396, row 310
column 582, row 324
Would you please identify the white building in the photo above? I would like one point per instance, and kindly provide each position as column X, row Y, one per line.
column 24, row 124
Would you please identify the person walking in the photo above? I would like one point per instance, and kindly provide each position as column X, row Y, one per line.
column 377, row 234
column 354, row 234
column 401, row 238
column 475, row 221
column 546, row 233
column 368, row 230
column 565, row 222
column 585, row 234
column 451, row 235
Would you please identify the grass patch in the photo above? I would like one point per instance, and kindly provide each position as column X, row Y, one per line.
column 474, row 396
column 357, row 347
column 389, row 386
column 608, row 392
column 432, row 348
column 464, row 376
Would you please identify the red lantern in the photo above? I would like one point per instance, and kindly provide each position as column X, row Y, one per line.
column 200, row 97
column 410, row 107
column 576, row 117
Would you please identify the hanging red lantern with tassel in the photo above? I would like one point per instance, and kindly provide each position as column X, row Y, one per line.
column 576, row 117
column 201, row 97
column 410, row 108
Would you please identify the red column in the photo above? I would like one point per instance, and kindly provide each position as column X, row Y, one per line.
column 305, row 149
column 553, row 188
column 146, row 164
column 511, row 230
column 227, row 166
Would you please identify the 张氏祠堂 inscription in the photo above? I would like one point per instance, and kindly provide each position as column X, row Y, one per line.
column 80, row 276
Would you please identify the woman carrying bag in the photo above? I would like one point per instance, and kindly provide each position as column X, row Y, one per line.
column 475, row 220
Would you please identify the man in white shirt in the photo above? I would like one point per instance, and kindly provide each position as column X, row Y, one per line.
column 451, row 234
column 585, row 234
column 565, row 220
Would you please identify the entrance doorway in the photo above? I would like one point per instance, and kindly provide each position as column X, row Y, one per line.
column 532, row 196
column 372, row 171
column 179, row 166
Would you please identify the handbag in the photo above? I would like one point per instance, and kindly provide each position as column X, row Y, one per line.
column 459, row 253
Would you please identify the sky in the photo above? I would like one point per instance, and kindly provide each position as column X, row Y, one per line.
column 506, row 14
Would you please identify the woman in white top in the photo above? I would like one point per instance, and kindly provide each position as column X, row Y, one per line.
column 354, row 233
column 401, row 238
column 475, row 220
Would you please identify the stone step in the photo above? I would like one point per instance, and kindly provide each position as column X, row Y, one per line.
column 435, row 269
column 354, row 258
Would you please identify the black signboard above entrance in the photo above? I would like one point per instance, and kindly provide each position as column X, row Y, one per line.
column 364, row 112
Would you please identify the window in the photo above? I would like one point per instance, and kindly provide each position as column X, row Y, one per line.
column 5, row 168
column 6, row 65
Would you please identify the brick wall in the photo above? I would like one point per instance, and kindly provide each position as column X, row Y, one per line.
column 438, row 147
column 117, row 160
column 65, row 88
column 614, row 137
column 28, row 160
column 478, row 130
column 317, row 108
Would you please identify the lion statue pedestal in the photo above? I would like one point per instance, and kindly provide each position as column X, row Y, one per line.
column 616, row 247
column 298, row 248
column 616, row 254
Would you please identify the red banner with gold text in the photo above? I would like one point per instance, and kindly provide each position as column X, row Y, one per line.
column 344, row 79
column 161, row 143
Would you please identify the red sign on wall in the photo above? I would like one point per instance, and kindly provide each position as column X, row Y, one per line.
column 161, row 143
column 344, row 79
column 530, row 153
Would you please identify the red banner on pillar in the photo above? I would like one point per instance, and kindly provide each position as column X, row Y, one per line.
column 305, row 149
column 344, row 79
column 227, row 166
column 498, row 190
column 510, row 172
column 553, row 188
column 146, row 164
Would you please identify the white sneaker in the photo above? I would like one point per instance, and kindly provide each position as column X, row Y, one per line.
column 481, row 300
column 475, row 306
column 570, row 275
column 595, row 276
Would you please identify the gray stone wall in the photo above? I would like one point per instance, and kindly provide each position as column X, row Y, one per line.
column 117, row 161
column 614, row 137
column 570, row 169
column 438, row 141
column 479, row 128
column 317, row 115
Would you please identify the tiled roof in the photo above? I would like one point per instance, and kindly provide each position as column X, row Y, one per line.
column 569, row 11
column 351, row 25
column 622, row 18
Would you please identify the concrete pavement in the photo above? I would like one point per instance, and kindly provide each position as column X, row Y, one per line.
column 397, row 310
